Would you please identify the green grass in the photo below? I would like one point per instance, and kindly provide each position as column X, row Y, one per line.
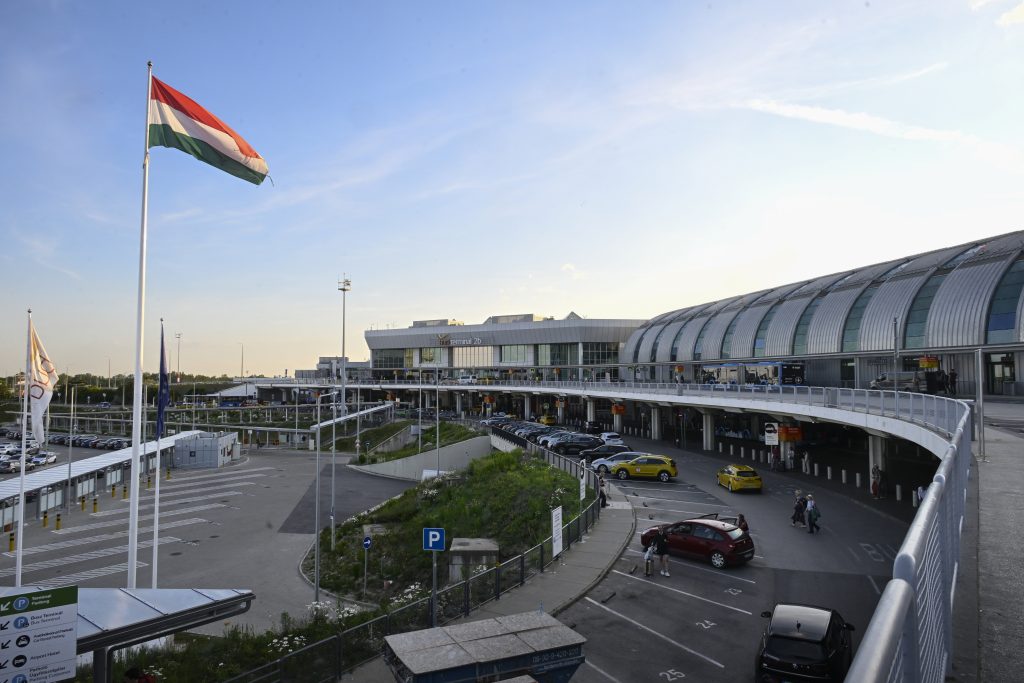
column 450, row 433
column 374, row 435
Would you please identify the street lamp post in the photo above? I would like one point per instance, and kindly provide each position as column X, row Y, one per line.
column 242, row 367
column 177, row 335
column 344, row 285
column 316, row 505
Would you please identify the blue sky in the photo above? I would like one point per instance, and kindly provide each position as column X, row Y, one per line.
column 466, row 159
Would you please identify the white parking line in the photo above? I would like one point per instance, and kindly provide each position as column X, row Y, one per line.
column 83, row 557
column 674, row 500
column 183, row 484
column 70, row 543
column 195, row 477
column 676, row 590
column 873, row 584
column 166, row 503
column 601, row 671
column 704, row 569
column 72, row 579
column 653, row 632
column 142, row 518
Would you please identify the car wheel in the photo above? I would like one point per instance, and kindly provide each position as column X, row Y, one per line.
column 663, row 476
column 730, row 486
column 622, row 474
column 717, row 560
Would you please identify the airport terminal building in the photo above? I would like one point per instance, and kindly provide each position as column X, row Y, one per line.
column 924, row 314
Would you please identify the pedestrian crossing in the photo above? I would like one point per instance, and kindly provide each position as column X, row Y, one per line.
column 75, row 554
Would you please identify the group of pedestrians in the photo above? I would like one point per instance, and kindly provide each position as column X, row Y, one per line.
column 805, row 512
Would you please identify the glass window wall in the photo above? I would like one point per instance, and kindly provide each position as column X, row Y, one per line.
column 432, row 356
column 802, row 325
column 515, row 354
column 472, row 356
column 558, row 354
column 1002, row 314
column 851, row 332
column 389, row 358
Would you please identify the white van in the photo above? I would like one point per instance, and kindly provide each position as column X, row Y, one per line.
column 900, row 381
column 467, row 379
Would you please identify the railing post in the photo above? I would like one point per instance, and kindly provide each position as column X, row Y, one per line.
column 542, row 557
column 465, row 597
column 497, row 582
column 522, row 569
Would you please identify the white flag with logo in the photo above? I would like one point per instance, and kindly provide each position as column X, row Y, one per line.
column 44, row 379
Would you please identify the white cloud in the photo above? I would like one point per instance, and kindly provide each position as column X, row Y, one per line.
column 978, row 4
column 573, row 273
column 1014, row 16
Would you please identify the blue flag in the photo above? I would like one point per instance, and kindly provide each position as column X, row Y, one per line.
column 164, row 393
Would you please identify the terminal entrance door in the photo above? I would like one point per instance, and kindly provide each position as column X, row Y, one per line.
column 1000, row 373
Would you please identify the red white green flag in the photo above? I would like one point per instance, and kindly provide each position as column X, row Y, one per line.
column 177, row 121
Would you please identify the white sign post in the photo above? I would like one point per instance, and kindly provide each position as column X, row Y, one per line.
column 39, row 635
column 556, row 532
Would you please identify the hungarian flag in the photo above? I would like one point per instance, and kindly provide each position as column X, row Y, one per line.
column 177, row 121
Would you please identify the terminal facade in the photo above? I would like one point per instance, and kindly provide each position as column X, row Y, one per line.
column 927, row 313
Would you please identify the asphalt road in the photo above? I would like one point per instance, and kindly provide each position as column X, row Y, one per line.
column 703, row 624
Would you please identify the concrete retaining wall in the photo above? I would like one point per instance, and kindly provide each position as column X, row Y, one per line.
column 454, row 457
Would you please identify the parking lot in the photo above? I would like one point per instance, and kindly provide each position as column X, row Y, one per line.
column 704, row 624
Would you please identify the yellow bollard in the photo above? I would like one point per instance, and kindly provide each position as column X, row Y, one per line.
column 46, row 518
column 149, row 481
column 10, row 542
column 82, row 501
column 58, row 522
column 113, row 490
column 95, row 503
column 168, row 474
column 124, row 491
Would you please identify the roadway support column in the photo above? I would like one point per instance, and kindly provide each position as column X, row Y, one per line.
column 655, row 424
column 560, row 407
column 591, row 410
column 458, row 404
column 617, row 423
column 876, row 455
column 709, row 431
column 526, row 406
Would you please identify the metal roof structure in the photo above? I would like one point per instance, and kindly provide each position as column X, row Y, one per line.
column 54, row 476
column 958, row 316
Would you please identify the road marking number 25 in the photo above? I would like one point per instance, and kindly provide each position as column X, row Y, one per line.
column 672, row 675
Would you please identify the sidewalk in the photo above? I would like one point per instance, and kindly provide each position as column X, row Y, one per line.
column 575, row 572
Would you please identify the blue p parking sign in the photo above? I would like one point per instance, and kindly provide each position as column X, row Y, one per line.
column 433, row 539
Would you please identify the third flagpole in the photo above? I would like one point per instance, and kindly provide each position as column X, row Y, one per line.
column 133, row 509
column 24, row 448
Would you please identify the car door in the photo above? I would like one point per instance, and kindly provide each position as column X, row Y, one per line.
column 702, row 540
column 642, row 467
column 680, row 539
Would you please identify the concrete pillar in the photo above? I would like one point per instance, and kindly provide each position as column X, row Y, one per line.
column 527, row 408
column 731, row 450
column 560, row 403
column 742, row 453
column 655, row 423
column 876, row 445
column 617, row 423
column 709, row 431
column 815, row 469
column 458, row 404
column 591, row 410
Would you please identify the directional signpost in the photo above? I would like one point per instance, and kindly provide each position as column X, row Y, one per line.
column 38, row 636
column 433, row 541
column 556, row 532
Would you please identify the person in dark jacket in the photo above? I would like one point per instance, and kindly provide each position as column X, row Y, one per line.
column 799, row 506
column 661, row 550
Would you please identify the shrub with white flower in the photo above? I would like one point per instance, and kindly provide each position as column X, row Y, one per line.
column 285, row 644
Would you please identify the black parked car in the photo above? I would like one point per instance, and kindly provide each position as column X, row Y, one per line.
column 603, row 451
column 804, row 643
column 576, row 443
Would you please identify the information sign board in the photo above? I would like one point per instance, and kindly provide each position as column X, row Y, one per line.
column 556, row 532
column 39, row 635
column 771, row 433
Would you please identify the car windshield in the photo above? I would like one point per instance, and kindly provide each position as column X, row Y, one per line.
column 793, row 649
column 746, row 473
column 735, row 534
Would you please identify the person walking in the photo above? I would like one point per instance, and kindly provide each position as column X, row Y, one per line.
column 799, row 505
column 951, row 379
column 741, row 522
column 601, row 494
column 875, row 480
column 661, row 550
column 813, row 515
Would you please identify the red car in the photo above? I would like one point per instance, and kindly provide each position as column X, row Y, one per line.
column 718, row 542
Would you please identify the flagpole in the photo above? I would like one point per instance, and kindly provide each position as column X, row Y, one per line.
column 133, row 509
column 71, row 447
column 24, row 447
column 159, row 433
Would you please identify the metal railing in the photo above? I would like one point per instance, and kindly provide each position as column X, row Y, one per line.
column 328, row 659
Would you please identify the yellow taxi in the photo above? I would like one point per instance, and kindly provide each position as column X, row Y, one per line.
column 659, row 467
column 547, row 420
column 739, row 478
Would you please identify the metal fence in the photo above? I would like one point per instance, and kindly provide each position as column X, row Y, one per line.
column 909, row 638
column 328, row 659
